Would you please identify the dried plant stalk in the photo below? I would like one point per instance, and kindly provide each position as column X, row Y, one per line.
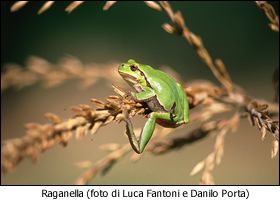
column 178, row 28
column 176, row 19
column 108, row 5
column 38, row 70
column 39, row 137
column 258, row 116
column 212, row 98
column 102, row 165
column 18, row 5
column 270, row 13
column 73, row 6
column 45, row 7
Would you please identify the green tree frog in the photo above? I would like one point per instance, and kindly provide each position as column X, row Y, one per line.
column 166, row 99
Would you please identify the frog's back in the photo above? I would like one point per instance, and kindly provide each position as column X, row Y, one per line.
column 165, row 87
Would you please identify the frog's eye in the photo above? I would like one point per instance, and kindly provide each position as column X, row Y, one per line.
column 133, row 67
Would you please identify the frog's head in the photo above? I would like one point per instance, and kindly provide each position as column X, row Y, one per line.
column 133, row 73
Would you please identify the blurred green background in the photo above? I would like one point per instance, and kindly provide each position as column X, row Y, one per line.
column 235, row 32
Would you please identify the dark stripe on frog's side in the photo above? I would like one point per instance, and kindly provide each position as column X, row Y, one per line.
column 155, row 106
column 153, row 102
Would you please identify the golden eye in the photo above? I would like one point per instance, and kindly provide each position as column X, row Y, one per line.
column 133, row 67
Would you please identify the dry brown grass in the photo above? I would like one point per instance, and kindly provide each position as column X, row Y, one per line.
column 270, row 13
column 211, row 99
column 38, row 70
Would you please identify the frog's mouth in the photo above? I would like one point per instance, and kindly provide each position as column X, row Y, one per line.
column 131, row 80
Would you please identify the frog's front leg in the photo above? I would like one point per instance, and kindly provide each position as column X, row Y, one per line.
column 146, row 133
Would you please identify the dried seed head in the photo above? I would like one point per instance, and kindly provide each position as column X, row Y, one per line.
column 16, row 6
column 96, row 126
column 219, row 153
column 153, row 5
column 98, row 103
column 73, row 6
column 207, row 178
column 210, row 161
column 262, row 107
column 53, row 117
column 263, row 133
column 234, row 122
column 275, row 147
column 45, row 7
column 78, row 111
column 195, row 40
column 83, row 164
column 168, row 28
column 222, row 69
column 198, row 167
column 108, row 5
column 81, row 131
